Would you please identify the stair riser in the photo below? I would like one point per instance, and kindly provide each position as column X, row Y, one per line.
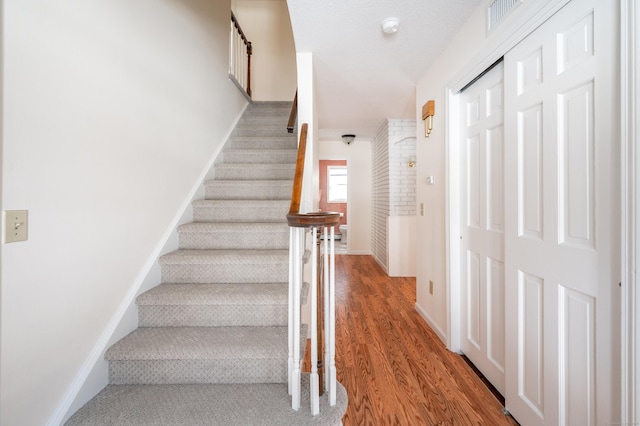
column 258, row 122
column 212, row 316
column 156, row 372
column 269, row 213
column 240, row 172
column 270, row 130
column 260, row 157
column 235, row 240
column 281, row 112
column 265, row 143
column 239, row 191
column 225, row 273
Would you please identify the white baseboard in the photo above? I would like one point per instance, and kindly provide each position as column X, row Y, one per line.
column 439, row 332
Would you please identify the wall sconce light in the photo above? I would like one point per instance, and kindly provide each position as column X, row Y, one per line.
column 348, row 139
column 428, row 110
column 411, row 163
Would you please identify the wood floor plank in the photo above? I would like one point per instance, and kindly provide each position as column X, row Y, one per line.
column 394, row 367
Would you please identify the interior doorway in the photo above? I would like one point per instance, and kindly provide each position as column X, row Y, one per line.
column 334, row 197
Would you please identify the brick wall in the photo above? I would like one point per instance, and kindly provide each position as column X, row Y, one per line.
column 402, row 178
column 380, row 193
column 393, row 182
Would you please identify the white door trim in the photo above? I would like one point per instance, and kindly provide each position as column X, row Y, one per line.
column 524, row 20
column 630, row 181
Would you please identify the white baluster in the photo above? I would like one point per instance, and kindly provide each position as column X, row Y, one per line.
column 292, row 259
column 331, row 342
column 325, row 303
column 297, row 284
column 314, row 394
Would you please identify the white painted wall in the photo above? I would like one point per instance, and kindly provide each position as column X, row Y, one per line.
column 401, row 238
column 113, row 112
column 358, row 156
column 267, row 25
column 430, row 246
column 307, row 114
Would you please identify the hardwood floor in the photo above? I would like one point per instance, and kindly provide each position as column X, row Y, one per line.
column 395, row 369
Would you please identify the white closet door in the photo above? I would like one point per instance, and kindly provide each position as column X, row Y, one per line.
column 559, row 221
column 482, row 226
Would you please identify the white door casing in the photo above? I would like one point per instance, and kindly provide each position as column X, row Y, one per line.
column 482, row 236
column 560, row 198
column 630, row 161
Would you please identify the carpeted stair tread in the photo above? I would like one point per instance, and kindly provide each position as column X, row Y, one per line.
column 216, row 257
column 240, row 203
column 236, row 227
column 275, row 129
column 270, row 105
column 225, row 266
column 201, row 343
column 215, row 294
column 273, row 211
column 224, row 404
column 237, row 171
column 260, row 156
column 214, row 305
column 248, row 189
column 263, row 142
column 226, row 235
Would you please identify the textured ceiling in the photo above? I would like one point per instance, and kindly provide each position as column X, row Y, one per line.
column 363, row 75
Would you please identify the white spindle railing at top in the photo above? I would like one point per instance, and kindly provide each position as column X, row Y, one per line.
column 240, row 51
column 322, row 311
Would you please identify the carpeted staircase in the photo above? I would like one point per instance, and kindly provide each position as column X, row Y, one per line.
column 211, row 347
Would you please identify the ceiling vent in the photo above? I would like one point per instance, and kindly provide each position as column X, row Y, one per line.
column 498, row 9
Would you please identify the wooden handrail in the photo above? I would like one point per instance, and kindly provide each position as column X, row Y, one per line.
column 237, row 25
column 306, row 220
column 293, row 114
column 296, row 193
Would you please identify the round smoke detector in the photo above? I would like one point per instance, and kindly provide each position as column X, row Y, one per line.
column 390, row 25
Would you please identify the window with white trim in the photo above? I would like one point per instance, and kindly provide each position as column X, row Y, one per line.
column 336, row 184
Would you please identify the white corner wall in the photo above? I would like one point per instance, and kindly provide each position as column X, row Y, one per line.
column 358, row 156
column 431, row 245
column 113, row 111
column 273, row 63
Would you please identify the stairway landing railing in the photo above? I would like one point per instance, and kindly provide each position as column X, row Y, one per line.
column 293, row 115
column 322, row 293
column 240, row 51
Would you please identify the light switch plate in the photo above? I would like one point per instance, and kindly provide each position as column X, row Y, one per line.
column 16, row 225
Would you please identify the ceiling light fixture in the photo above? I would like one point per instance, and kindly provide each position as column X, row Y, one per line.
column 390, row 25
column 348, row 138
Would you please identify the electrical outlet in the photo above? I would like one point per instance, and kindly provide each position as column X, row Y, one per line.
column 421, row 209
column 15, row 225
column 430, row 287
